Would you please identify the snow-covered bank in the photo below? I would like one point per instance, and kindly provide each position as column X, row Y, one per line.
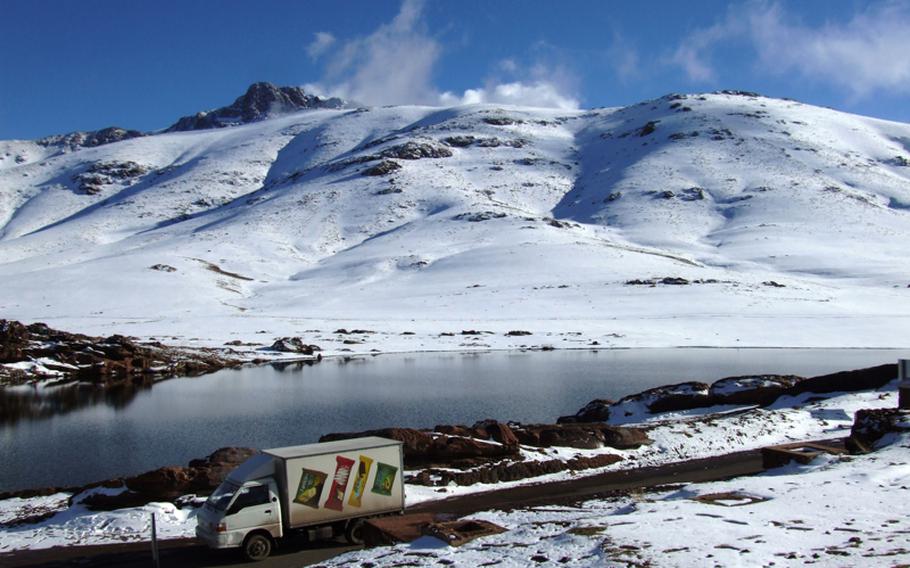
column 677, row 437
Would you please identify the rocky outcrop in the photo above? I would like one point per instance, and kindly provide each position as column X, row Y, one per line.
column 488, row 451
column 415, row 151
column 759, row 390
column 582, row 435
column 871, row 425
column 383, row 168
column 261, row 101
column 90, row 139
column 427, row 447
column 100, row 174
column 510, row 471
column 37, row 351
column 200, row 477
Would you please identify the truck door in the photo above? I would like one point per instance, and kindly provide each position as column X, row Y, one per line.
column 256, row 506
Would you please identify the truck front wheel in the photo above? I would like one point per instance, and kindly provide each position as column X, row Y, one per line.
column 257, row 547
column 353, row 531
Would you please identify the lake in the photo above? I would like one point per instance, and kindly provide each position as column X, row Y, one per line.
column 75, row 435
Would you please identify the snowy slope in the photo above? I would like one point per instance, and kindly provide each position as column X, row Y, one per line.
column 536, row 220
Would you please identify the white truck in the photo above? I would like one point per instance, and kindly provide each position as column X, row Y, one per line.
column 281, row 492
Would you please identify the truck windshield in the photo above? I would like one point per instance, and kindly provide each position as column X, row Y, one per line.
column 221, row 498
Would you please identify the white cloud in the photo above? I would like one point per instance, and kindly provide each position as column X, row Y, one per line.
column 865, row 54
column 624, row 58
column 395, row 65
column 540, row 94
column 322, row 41
column 693, row 54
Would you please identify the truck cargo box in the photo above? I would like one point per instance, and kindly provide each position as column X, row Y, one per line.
column 322, row 483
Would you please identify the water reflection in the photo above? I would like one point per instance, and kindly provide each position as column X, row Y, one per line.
column 35, row 403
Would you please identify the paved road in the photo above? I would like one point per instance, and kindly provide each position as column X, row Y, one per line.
column 189, row 554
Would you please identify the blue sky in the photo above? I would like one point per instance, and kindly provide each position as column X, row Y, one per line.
column 69, row 65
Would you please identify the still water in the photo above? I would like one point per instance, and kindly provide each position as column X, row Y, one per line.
column 73, row 436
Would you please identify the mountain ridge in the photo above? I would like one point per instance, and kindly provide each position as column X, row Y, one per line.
column 478, row 213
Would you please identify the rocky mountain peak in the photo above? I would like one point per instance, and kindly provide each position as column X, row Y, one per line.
column 261, row 100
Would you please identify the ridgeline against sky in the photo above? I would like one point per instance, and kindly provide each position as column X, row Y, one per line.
column 86, row 65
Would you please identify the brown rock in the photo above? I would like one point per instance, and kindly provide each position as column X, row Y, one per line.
column 497, row 431
column 598, row 410
column 870, row 425
column 754, row 389
column 861, row 379
column 416, row 442
column 580, row 435
column 163, row 484
column 432, row 447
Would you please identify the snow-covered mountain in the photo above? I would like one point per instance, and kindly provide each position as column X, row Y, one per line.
column 789, row 222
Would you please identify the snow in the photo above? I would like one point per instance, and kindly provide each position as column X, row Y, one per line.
column 75, row 525
column 803, row 196
column 835, row 511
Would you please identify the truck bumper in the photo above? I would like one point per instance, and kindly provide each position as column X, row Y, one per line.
column 219, row 540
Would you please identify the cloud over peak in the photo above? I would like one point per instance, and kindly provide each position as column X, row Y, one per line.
column 862, row 55
column 395, row 64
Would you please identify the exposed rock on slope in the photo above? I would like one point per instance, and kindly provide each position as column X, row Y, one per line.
column 90, row 139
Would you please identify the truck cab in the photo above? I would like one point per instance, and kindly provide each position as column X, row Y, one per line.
column 243, row 512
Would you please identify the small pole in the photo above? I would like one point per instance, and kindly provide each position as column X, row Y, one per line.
column 155, row 543
column 903, row 387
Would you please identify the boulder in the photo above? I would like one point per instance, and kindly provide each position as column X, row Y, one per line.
column 752, row 389
column 164, row 483
column 670, row 398
column 857, row 380
column 497, row 431
column 598, row 410
column 294, row 345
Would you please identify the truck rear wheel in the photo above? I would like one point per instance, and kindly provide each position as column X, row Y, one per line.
column 257, row 547
column 353, row 531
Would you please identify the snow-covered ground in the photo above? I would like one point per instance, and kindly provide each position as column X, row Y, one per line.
column 836, row 511
column 788, row 220
column 854, row 488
